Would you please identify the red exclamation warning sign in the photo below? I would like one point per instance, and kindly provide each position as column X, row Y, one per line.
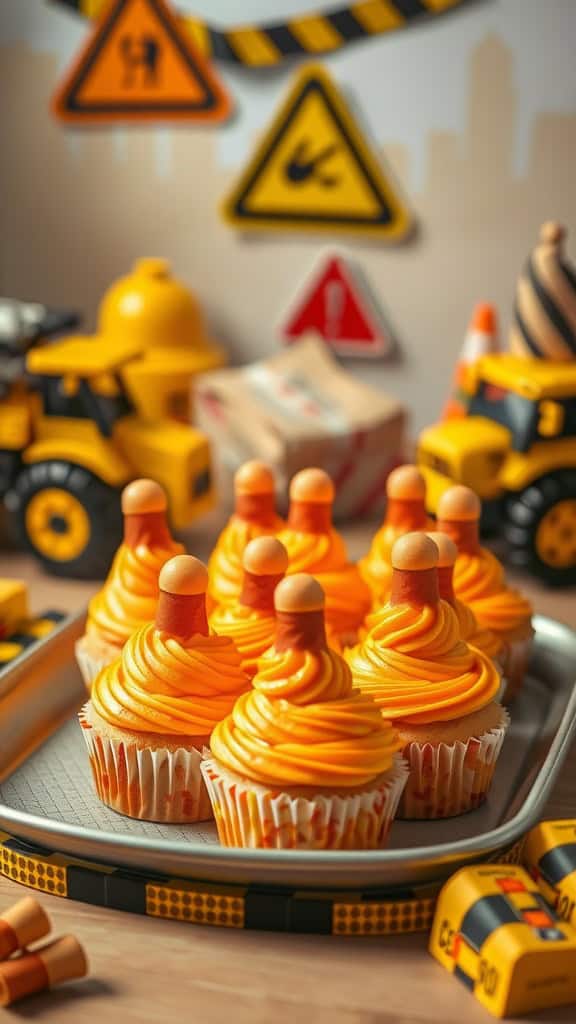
column 335, row 306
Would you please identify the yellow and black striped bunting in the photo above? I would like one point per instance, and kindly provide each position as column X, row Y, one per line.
column 303, row 35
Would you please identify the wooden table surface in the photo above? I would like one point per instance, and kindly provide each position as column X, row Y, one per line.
column 148, row 970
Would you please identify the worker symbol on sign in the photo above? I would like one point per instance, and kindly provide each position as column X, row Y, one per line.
column 140, row 64
column 141, row 59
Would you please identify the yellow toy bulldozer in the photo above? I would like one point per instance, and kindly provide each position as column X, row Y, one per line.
column 515, row 444
column 70, row 439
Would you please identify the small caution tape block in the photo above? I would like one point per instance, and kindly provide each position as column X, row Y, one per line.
column 550, row 856
column 27, row 635
column 494, row 931
column 311, row 33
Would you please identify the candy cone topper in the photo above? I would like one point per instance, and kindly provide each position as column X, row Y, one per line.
column 459, row 511
column 447, row 555
column 299, row 603
column 144, row 506
column 265, row 562
column 53, row 964
column 406, row 493
column 544, row 324
column 22, row 924
column 481, row 339
column 414, row 570
column 181, row 610
column 254, row 491
column 311, row 498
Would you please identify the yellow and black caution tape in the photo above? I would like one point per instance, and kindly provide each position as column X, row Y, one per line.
column 27, row 635
column 261, row 907
column 304, row 34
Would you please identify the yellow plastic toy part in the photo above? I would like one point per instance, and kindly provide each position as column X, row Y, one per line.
column 549, row 854
column 13, row 605
column 494, row 931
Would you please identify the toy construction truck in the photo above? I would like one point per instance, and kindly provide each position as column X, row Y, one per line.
column 515, row 442
column 71, row 437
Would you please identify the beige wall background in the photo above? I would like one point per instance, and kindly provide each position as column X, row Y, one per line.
column 474, row 113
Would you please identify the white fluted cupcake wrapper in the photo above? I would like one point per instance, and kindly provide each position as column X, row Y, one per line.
column 251, row 815
column 146, row 783
column 449, row 779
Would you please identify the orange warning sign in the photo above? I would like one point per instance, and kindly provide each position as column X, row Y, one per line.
column 139, row 66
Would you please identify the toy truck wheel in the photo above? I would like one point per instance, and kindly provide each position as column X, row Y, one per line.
column 541, row 528
column 68, row 518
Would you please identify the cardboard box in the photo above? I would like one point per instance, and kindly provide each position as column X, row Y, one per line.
column 549, row 854
column 300, row 408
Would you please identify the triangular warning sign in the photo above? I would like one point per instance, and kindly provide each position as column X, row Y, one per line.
column 138, row 66
column 335, row 306
column 314, row 171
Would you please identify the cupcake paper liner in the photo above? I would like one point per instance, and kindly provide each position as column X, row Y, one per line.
column 146, row 783
column 515, row 658
column 89, row 664
column 251, row 815
column 449, row 779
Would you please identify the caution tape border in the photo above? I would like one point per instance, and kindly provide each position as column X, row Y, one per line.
column 252, row 907
column 307, row 34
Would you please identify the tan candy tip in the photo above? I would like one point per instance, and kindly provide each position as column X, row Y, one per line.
column 184, row 575
column 64, row 960
column 447, row 550
column 552, row 233
column 459, row 504
column 406, row 483
column 299, row 593
column 312, row 485
column 414, row 551
column 254, row 478
column 143, row 496
column 265, row 556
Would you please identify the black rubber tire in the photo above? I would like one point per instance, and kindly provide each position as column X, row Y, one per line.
column 524, row 512
column 100, row 501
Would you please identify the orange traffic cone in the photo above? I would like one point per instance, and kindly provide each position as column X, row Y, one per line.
column 481, row 339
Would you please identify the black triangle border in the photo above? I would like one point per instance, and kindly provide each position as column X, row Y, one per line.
column 73, row 106
column 238, row 208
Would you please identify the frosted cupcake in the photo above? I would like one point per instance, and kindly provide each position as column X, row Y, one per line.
column 254, row 516
column 480, row 583
column 129, row 596
column 152, row 710
column 304, row 761
column 251, row 620
column 314, row 546
column 405, row 513
column 438, row 691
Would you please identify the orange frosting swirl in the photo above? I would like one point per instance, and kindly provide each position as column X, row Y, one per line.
column 472, row 633
column 414, row 665
column 160, row 685
column 225, row 566
column 251, row 629
column 324, row 555
column 129, row 596
column 304, row 725
column 480, row 583
column 376, row 566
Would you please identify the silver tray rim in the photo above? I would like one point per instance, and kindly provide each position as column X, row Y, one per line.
column 387, row 867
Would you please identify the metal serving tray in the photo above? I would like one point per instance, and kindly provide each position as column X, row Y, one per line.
column 46, row 794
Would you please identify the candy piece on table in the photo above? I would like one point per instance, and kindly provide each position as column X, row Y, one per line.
column 405, row 513
column 254, row 516
column 480, row 583
column 129, row 596
column 494, row 932
column 437, row 690
column 51, row 965
column 22, row 924
column 152, row 710
column 470, row 630
column 314, row 546
column 304, row 760
column 544, row 321
column 251, row 621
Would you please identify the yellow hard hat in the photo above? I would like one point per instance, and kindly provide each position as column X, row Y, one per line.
column 153, row 309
